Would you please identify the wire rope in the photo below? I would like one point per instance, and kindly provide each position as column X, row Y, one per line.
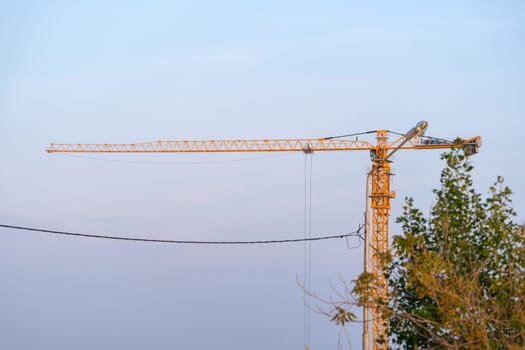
column 305, row 254
column 310, row 246
column 307, row 261
column 395, row 133
column 423, row 137
column 171, row 163
column 350, row 135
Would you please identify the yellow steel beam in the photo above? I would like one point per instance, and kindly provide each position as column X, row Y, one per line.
column 277, row 145
column 280, row 145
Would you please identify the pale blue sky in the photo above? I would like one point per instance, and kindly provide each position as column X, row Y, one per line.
column 89, row 71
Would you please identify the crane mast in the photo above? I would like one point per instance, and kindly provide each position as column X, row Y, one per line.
column 377, row 240
column 378, row 189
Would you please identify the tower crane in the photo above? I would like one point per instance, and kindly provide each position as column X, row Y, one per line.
column 378, row 187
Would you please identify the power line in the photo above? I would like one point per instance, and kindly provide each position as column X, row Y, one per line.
column 150, row 240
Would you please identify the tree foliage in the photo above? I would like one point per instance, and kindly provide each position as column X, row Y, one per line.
column 457, row 277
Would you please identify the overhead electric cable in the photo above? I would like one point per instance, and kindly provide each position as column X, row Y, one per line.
column 86, row 235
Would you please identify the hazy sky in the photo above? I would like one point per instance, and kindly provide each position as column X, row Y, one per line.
column 123, row 71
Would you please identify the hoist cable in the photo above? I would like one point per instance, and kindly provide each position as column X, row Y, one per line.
column 307, row 260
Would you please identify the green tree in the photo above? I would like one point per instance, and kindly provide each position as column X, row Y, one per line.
column 456, row 277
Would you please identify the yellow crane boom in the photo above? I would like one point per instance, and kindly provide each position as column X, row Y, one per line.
column 378, row 187
column 276, row 145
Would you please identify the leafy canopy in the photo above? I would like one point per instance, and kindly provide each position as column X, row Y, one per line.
column 457, row 277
